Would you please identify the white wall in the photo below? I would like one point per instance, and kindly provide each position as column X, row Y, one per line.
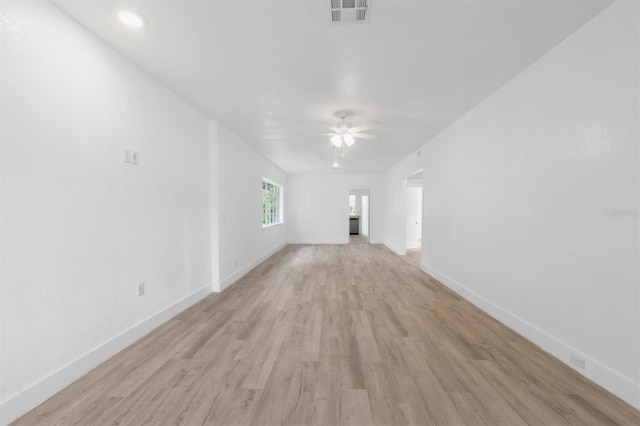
column 517, row 194
column 243, row 242
column 79, row 228
column 318, row 207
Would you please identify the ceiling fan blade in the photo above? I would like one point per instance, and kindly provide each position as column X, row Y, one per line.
column 362, row 127
column 364, row 136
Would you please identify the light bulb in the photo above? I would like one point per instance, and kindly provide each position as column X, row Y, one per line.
column 132, row 19
column 348, row 139
column 336, row 140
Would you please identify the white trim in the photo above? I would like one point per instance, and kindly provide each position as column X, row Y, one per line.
column 271, row 182
column 280, row 203
column 371, row 214
column 241, row 272
column 396, row 250
column 621, row 386
column 214, row 180
column 24, row 401
column 269, row 225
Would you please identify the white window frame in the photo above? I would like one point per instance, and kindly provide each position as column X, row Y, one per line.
column 276, row 215
column 352, row 207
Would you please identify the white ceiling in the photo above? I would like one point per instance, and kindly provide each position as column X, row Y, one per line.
column 275, row 71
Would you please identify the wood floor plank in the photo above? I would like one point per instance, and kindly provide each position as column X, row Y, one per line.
column 333, row 335
column 415, row 414
column 355, row 409
column 384, row 409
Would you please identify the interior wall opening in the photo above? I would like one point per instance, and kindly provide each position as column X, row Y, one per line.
column 359, row 216
column 414, row 218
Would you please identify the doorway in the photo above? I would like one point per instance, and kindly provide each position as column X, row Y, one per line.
column 413, row 241
column 359, row 216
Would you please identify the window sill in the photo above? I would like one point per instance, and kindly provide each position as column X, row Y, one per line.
column 272, row 225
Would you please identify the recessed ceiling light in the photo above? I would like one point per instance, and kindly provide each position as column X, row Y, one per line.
column 132, row 19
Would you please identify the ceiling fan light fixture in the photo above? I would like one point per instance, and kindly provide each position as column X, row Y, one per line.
column 336, row 140
column 348, row 139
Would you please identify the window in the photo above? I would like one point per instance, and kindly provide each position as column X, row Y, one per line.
column 271, row 203
column 352, row 204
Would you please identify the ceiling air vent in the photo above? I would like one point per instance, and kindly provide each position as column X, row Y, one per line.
column 349, row 11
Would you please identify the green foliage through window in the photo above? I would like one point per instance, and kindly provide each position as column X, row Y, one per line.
column 271, row 203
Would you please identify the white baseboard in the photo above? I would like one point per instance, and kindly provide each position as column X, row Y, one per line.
column 396, row 250
column 619, row 385
column 242, row 271
column 24, row 401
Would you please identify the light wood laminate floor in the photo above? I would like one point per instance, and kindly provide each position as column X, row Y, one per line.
column 333, row 335
column 358, row 239
column 414, row 257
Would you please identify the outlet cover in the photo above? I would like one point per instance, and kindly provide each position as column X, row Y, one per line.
column 131, row 157
column 140, row 289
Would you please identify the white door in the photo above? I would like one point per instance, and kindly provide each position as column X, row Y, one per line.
column 414, row 217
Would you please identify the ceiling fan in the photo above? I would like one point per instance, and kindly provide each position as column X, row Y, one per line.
column 344, row 134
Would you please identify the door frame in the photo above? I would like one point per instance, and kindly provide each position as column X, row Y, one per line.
column 405, row 213
column 370, row 190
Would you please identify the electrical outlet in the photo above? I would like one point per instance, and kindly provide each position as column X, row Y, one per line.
column 131, row 157
column 141, row 289
column 577, row 360
column 235, row 264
